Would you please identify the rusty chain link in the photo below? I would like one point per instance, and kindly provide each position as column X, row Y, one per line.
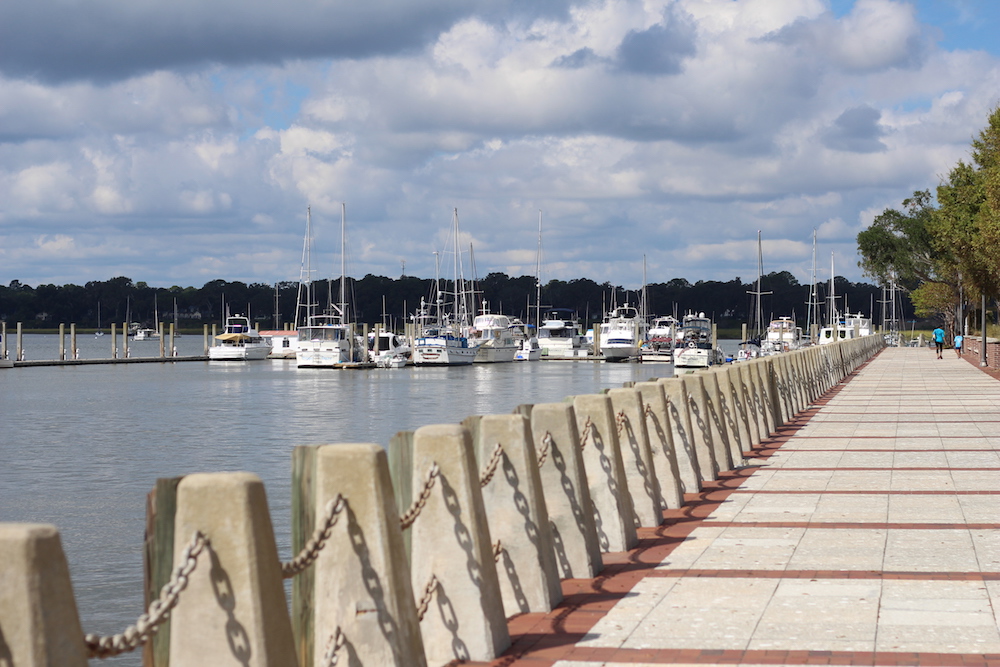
column 621, row 420
column 497, row 551
column 425, row 600
column 411, row 514
column 648, row 411
column 487, row 474
column 546, row 443
column 158, row 612
column 588, row 427
column 333, row 646
column 310, row 552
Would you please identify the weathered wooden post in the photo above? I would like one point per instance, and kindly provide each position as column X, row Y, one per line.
column 125, row 352
column 73, row 350
column 38, row 616
column 3, row 339
column 114, row 340
column 20, row 343
column 162, row 340
column 173, row 348
column 62, row 342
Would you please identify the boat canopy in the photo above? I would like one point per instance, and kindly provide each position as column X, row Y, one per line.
column 233, row 337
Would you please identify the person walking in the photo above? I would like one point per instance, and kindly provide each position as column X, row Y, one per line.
column 958, row 345
column 939, row 341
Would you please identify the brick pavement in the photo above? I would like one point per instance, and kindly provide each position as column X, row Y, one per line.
column 866, row 532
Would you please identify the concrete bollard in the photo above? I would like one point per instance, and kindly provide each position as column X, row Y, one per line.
column 695, row 466
column 751, row 402
column 701, row 420
column 567, row 496
column 661, row 444
column 360, row 583
column 764, row 395
column 451, row 544
column 739, row 406
column 38, row 618
column 519, row 519
column 729, row 413
column 637, row 459
column 715, row 405
column 234, row 607
column 614, row 517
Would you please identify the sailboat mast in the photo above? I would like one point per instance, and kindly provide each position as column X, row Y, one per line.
column 811, row 313
column 538, row 277
column 759, row 313
column 305, row 305
column 833, row 297
column 343, row 262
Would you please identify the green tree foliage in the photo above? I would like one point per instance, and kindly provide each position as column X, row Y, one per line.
column 899, row 245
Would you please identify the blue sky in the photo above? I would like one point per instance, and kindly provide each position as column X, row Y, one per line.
column 177, row 143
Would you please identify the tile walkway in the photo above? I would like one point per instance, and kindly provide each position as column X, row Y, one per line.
column 867, row 532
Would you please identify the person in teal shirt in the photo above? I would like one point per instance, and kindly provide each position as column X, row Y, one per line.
column 958, row 344
column 939, row 341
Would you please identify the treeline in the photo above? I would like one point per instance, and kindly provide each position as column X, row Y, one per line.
column 377, row 299
column 944, row 248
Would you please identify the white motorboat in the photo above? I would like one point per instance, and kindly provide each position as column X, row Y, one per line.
column 493, row 339
column 239, row 341
column 659, row 345
column 390, row 350
column 528, row 348
column 560, row 336
column 622, row 333
column 145, row 333
column 694, row 347
column 847, row 327
column 781, row 336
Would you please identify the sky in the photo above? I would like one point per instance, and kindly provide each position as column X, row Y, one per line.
column 181, row 142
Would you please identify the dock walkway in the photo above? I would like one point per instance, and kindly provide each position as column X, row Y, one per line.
column 867, row 531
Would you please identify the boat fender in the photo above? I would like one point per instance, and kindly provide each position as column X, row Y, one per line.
column 692, row 344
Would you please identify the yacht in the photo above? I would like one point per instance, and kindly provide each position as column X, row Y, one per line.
column 693, row 346
column 528, row 348
column 781, row 336
column 659, row 345
column 493, row 338
column 325, row 341
column 559, row 335
column 847, row 327
column 390, row 350
column 622, row 333
column 239, row 341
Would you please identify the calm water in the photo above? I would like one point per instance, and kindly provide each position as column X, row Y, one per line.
column 81, row 446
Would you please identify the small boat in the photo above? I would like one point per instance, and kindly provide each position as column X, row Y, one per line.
column 528, row 348
column 493, row 339
column 659, row 345
column 239, row 341
column 622, row 333
column 390, row 350
column 693, row 346
column 560, row 336
column 145, row 333
column 847, row 327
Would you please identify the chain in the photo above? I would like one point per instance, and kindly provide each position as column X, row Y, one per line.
column 411, row 514
column 497, row 551
column 425, row 601
column 588, row 427
column 487, row 474
column 310, row 552
column 158, row 612
column 546, row 443
column 333, row 646
column 648, row 411
column 621, row 420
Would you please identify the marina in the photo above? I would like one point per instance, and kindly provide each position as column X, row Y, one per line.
column 83, row 445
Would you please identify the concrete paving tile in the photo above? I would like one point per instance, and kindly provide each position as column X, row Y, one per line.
column 973, row 459
column 806, row 459
column 860, row 480
column 722, row 593
column 695, row 627
column 792, row 507
column 868, row 508
column 808, row 480
column 925, row 509
column 832, row 549
column 975, row 480
column 691, row 549
column 933, row 589
column 929, row 551
column 919, row 480
column 730, row 507
column 913, row 442
column 809, row 644
column 866, row 460
column 931, row 639
column 980, row 509
column 987, row 545
column 926, row 459
column 750, row 549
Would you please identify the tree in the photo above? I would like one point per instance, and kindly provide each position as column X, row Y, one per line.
column 899, row 246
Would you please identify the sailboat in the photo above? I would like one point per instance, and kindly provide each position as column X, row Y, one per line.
column 145, row 333
column 100, row 331
column 442, row 334
column 326, row 340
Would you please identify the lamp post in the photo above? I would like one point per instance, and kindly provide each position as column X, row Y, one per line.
column 982, row 348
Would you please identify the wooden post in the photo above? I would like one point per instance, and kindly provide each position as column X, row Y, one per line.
column 125, row 340
column 158, row 561
column 3, row 339
column 114, row 340
column 20, row 343
column 73, row 351
column 62, row 342
column 173, row 349
column 204, row 335
column 162, row 341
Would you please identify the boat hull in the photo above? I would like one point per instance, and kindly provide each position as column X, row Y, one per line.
column 487, row 354
column 238, row 353
column 430, row 352
column 693, row 357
